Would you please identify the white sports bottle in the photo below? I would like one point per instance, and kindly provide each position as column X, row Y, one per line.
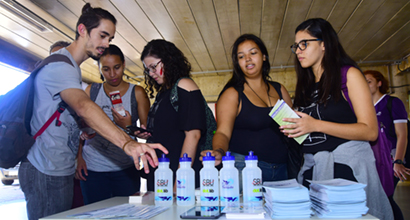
column 229, row 181
column 185, row 182
column 252, row 181
column 209, row 182
column 163, row 182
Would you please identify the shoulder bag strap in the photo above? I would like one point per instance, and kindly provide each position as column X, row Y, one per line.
column 95, row 88
column 343, row 72
column 174, row 94
column 134, row 107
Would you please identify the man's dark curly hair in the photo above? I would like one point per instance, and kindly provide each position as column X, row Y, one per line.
column 175, row 64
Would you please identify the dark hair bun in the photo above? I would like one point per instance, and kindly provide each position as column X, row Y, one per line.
column 86, row 8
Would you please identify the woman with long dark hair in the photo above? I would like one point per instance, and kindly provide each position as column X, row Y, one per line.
column 182, row 130
column 336, row 110
column 243, row 108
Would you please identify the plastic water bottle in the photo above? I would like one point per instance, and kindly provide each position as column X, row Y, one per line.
column 209, row 182
column 252, row 181
column 163, row 182
column 229, row 181
column 185, row 182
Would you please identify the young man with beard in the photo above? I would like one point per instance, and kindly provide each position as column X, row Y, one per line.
column 46, row 176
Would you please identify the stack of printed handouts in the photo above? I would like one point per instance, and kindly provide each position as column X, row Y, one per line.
column 282, row 110
column 124, row 211
column 338, row 198
column 287, row 199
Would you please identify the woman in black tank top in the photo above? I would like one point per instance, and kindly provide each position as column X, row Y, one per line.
column 337, row 145
column 243, row 123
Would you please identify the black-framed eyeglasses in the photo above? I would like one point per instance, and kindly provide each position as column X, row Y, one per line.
column 302, row 45
column 151, row 69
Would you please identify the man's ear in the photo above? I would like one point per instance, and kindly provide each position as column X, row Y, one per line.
column 82, row 31
column 322, row 44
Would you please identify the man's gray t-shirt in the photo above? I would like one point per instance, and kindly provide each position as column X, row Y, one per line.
column 54, row 151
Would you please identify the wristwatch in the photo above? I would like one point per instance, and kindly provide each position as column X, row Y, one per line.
column 398, row 161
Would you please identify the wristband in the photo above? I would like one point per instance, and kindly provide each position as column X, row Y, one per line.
column 220, row 150
column 123, row 147
column 398, row 161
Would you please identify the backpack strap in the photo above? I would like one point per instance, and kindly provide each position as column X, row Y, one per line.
column 95, row 87
column 50, row 59
column 389, row 106
column 134, row 107
column 174, row 94
column 343, row 72
column 62, row 105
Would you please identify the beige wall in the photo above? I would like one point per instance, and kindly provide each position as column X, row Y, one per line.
column 212, row 84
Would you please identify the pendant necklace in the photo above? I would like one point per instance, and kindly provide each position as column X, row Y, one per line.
column 270, row 104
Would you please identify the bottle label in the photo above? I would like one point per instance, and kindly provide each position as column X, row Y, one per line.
column 227, row 184
column 229, row 199
column 162, row 190
column 208, row 190
column 181, row 184
column 209, row 198
column 256, row 198
column 256, row 182
column 163, row 198
column 184, row 198
column 208, row 182
column 162, row 183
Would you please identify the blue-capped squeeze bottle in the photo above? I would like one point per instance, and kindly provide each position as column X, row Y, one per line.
column 209, row 182
column 163, row 182
column 185, row 182
column 252, row 181
column 229, row 181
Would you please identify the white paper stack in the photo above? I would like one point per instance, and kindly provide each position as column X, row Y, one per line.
column 338, row 198
column 244, row 212
column 139, row 197
column 287, row 199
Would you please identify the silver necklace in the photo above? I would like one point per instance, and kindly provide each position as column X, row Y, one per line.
column 270, row 104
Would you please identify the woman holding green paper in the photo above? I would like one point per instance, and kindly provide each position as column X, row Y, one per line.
column 243, row 123
column 336, row 110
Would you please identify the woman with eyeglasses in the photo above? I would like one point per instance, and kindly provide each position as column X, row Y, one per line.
column 336, row 110
column 180, row 131
column 243, row 108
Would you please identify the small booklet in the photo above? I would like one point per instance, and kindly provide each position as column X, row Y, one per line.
column 244, row 212
column 117, row 102
column 282, row 110
column 137, row 197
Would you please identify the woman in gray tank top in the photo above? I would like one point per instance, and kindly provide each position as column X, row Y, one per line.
column 104, row 169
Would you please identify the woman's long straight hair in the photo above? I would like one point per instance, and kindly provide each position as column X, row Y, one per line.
column 333, row 60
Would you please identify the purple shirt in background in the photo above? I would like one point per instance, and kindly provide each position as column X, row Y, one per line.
column 399, row 115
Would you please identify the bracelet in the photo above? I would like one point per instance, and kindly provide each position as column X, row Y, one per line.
column 220, row 150
column 123, row 147
column 398, row 161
